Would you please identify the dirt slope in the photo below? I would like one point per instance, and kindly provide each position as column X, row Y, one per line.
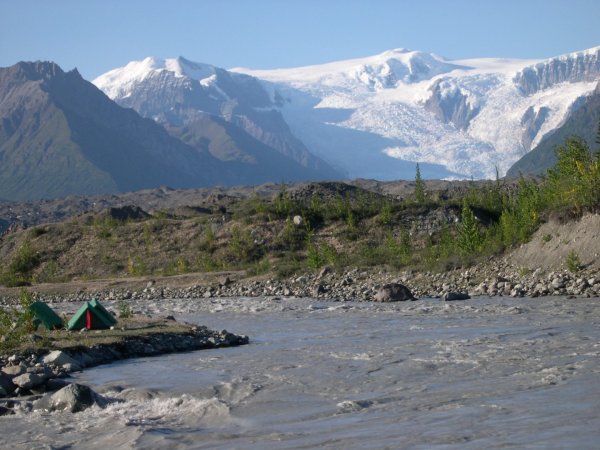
column 554, row 241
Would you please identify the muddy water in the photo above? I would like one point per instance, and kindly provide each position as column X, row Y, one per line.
column 483, row 373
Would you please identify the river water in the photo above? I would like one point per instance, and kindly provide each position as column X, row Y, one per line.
column 483, row 373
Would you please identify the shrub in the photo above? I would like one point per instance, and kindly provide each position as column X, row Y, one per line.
column 25, row 260
column 319, row 255
column 574, row 182
column 385, row 215
column 136, row 266
column 124, row 309
column 242, row 247
column 16, row 323
column 206, row 263
column 573, row 262
column 292, row 237
column 19, row 271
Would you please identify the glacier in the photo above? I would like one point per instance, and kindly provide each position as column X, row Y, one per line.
column 375, row 117
column 468, row 118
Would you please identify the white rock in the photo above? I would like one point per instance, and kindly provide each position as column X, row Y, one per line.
column 61, row 359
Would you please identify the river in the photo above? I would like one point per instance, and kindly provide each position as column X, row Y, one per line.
column 483, row 373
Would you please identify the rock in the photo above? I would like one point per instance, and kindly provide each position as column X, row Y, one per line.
column 4, row 411
column 452, row 296
column 29, row 380
column 61, row 359
column 54, row 384
column 14, row 371
column 74, row 398
column 394, row 292
column 224, row 281
column 7, row 385
column 318, row 289
column 324, row 271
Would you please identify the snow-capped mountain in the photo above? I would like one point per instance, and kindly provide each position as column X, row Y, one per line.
column 191, row 100
column 465, row 118
column 370, row 117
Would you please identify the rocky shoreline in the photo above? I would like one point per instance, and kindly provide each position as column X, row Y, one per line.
column 28, row 381
column 497, row 278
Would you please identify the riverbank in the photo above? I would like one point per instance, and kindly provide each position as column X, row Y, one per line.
column 40, row 368
column 496, row 278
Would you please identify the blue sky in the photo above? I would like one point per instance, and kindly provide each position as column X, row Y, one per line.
column 96, row 36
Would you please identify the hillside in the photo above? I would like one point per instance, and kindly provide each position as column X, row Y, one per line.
column 194, row 100
column 60, row 135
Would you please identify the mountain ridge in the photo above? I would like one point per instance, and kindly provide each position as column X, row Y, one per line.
column 478, row 115
column 60, row 135
column 177, row 92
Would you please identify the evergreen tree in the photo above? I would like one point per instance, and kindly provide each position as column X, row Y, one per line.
column 469, row 238
column 419, row 186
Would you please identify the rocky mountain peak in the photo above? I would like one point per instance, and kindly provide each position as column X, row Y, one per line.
column 572, row 68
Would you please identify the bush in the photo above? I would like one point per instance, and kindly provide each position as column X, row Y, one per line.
column 574, row 183
column 25, row 260
column 320, row 255
column 292, row 237
column 573, row 262
column 16, row 323
column 19, row 271
column 124, row 309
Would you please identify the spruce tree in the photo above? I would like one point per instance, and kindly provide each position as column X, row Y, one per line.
column 469, row 238
column 419, row 186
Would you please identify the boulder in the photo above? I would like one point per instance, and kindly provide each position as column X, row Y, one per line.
column 54, row 384
column 318, row 290
column 7, row 387
column 29, row 380
column 224, row 281
column 324, row 271
column 61, row 359
column 394, row 292
column 452, row 296
column 73, row 398
column 14, row 371
column 4, row 411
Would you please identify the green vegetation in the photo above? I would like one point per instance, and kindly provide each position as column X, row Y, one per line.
column 469, row 237
column 573, row 262
column 16, row 323
column 419, row 186
column 124, row 309
column 325, row 224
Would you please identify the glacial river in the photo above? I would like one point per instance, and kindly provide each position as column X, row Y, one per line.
column 483, row 373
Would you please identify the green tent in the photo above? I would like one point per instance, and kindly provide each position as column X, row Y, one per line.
column 44, row 315
column 92, row 316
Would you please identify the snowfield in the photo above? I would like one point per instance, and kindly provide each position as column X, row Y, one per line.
column 375, row 117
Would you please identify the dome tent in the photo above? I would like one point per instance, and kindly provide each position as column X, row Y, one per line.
column 45, row 316
column 93, row 316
